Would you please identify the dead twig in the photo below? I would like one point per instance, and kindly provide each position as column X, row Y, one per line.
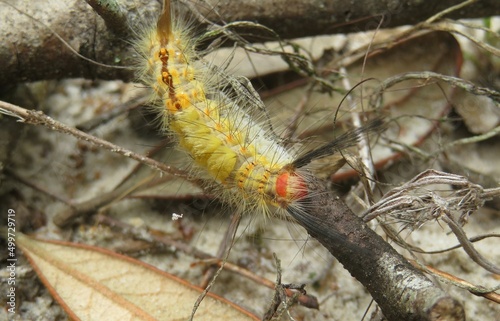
column 39, row 118
column 280, row 294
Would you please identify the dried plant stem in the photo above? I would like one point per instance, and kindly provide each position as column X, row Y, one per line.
column 364, row 148
column 468, row 247
column 234, row 228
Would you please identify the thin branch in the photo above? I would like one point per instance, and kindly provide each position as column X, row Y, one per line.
column 39, row 118
column 468, row 247
column 472, row 240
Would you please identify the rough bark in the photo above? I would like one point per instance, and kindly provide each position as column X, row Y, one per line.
column 299, row 18
column 32, row 48
column 401, row 291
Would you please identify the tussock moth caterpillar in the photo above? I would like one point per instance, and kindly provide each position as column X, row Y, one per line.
column 243, row 158
column 223, row 141
column 297, row 163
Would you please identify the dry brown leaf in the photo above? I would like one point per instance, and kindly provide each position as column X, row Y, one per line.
column 96, row 284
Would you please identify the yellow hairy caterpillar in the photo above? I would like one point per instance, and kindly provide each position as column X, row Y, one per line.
column 242, row 157
column 224, row 142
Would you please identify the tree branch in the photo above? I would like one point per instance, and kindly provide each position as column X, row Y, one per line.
column 401, row 291
column 37, row 36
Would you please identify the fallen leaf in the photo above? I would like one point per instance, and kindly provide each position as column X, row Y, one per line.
column 92, row 283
